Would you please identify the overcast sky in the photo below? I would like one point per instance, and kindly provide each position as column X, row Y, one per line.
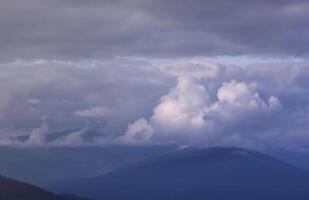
column 144, row 72
column 87, row 29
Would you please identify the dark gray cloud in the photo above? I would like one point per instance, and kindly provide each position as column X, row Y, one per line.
column 94, row 29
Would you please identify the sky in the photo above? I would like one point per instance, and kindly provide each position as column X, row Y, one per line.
column 145, row 72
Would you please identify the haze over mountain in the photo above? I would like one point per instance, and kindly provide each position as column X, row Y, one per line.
column 213, row 173
column 43, row 165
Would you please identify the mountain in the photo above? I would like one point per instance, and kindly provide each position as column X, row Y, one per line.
column 297, row 158
column 72, row 197
column 15, row 190
column 205, row 174
column 42, row 165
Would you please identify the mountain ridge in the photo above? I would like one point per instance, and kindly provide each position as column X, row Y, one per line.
column 219, row 173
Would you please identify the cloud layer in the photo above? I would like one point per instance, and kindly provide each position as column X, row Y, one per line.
column 87, row 29
column 133, row 101
column 90, row 72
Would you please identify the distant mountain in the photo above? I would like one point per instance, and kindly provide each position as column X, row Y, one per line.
column 207, row 174
column 15, row 190
column 42, row 165
column 297, row 158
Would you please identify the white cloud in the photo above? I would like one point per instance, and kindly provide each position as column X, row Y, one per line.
column 96, row 112
column 236, row 97
column 73, row 139
column 139, row 132
column 189, row 114
column 38, row 136
column 239, row 94
column 183, row 106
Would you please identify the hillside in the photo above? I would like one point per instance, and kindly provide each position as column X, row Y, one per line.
column 42, row 165
column 15, row 190
column 213, row 173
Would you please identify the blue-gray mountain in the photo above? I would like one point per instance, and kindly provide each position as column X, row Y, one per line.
column 43, row 165
column 213, row 173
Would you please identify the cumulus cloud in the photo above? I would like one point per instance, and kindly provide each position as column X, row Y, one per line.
column 183, row 106
column 189, row 115
column 242, row 96
column 138, row 132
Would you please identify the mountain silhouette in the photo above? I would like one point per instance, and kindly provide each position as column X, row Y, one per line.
column 16, row 190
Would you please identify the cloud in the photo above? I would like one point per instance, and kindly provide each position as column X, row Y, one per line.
column 152, row 28
column 183, row 106
column 138, row 132
column 96, row 112
column 187, row 101
column 189, row 114
column 73, row 139
column 240, row 95
column 197, row 69
column 91, row 91
column 38, row 136
column 33, row 101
